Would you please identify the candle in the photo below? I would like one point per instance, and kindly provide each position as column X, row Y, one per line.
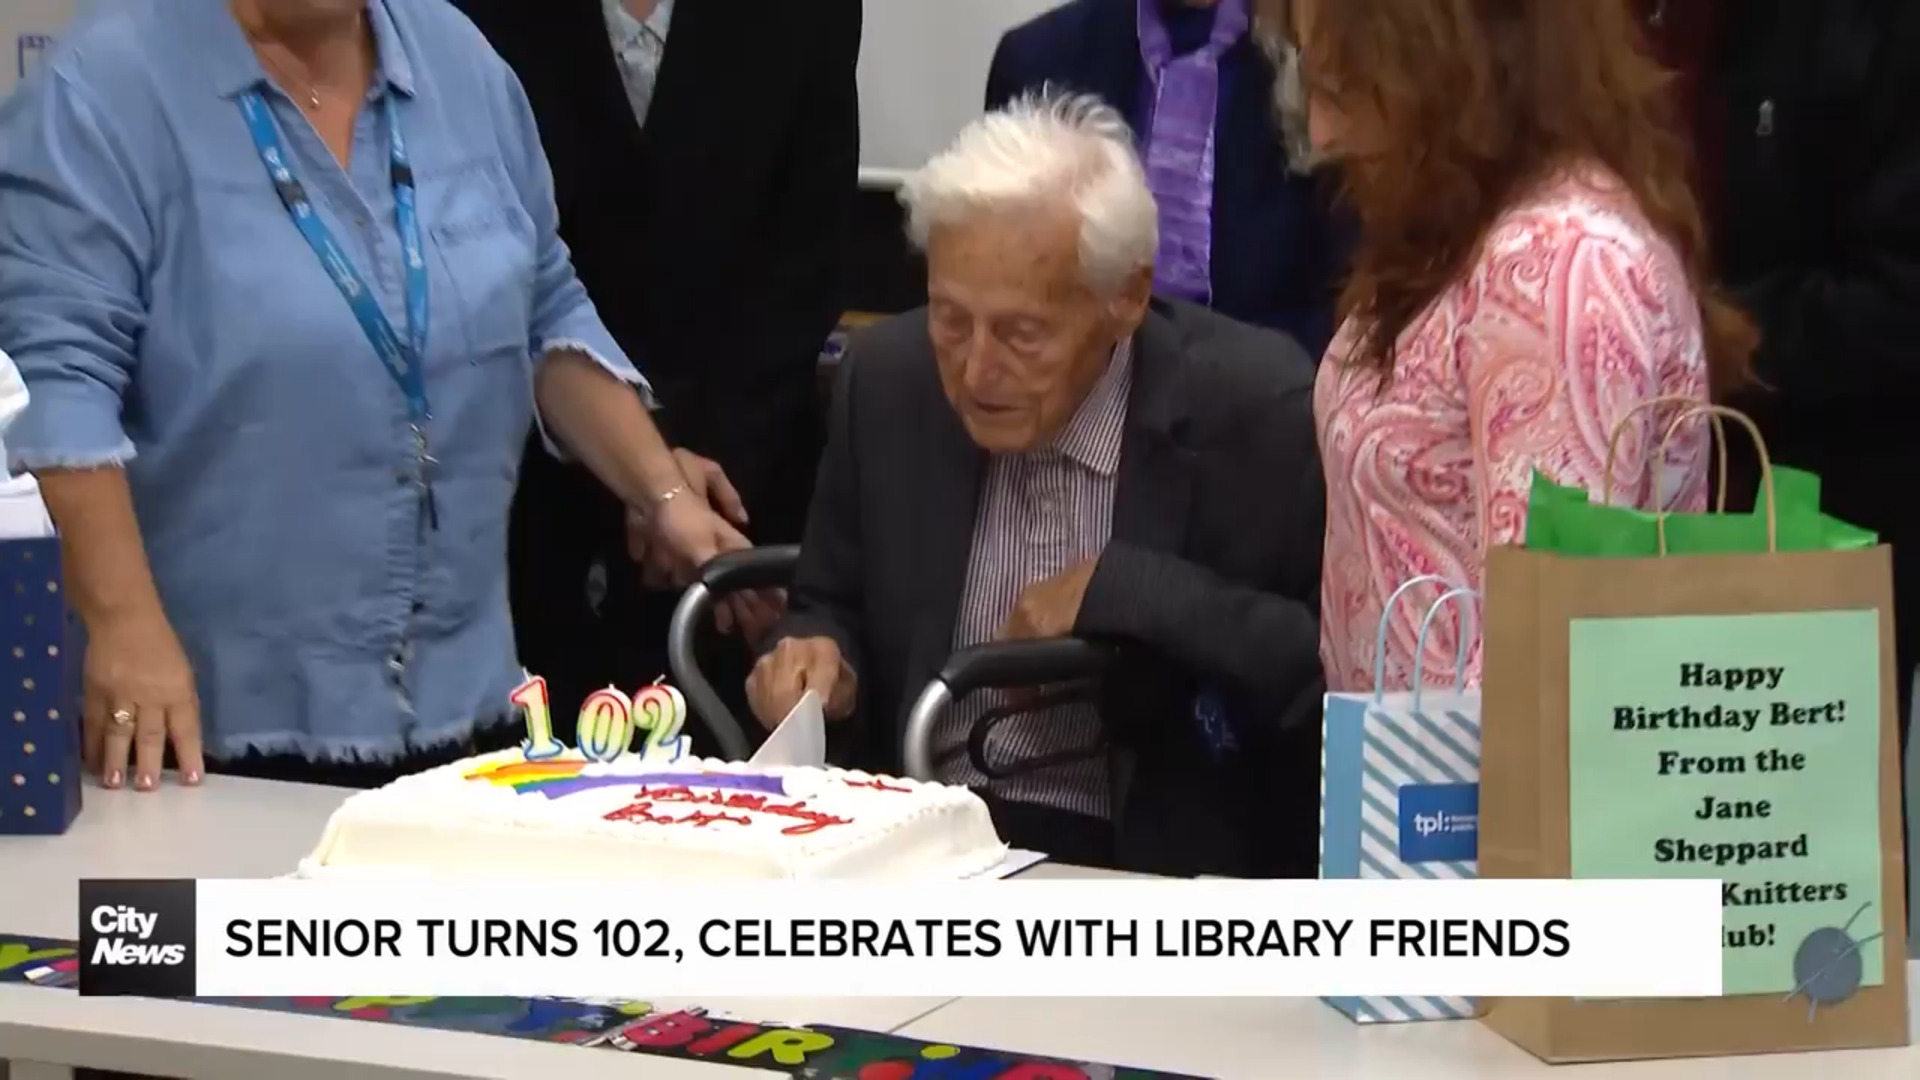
column 540, row 744
column 606, row 722
column 606, row 725
column 661, row 711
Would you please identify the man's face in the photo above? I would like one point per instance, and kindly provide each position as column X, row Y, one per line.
column 1021, row 339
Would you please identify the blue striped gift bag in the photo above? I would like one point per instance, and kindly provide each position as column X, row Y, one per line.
column 1400, row 789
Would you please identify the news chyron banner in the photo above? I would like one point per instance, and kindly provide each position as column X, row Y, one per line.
column 595, row 939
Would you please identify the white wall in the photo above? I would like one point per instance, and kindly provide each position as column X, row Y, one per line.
column 923, row 74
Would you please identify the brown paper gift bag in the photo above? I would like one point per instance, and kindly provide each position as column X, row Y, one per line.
column 1544, row 700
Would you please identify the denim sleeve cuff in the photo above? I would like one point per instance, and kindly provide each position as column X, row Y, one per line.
column 613, row 363
column 65, row 426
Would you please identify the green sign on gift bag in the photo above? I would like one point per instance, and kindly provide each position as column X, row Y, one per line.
column 1750, row 745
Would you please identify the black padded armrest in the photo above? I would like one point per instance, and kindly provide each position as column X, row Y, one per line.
column 1023, row 663
column 754, row 568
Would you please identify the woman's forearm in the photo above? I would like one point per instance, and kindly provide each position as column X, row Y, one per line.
column 600, row 420
column 104, row 561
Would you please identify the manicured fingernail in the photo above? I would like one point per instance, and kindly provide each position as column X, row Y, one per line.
column 144, row 782
column 113, row 778
column 193, row 776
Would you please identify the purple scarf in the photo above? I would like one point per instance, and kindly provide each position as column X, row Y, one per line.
column 1184, row 94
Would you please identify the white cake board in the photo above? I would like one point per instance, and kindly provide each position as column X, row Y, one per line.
column 1014, row 863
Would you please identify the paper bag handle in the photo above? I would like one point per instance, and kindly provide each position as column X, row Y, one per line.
column 1696, row 407
column 1386, row 615
column 1713, row 413
column 1462, row 648
column 1760, row 449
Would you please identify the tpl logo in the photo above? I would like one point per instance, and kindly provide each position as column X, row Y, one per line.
column 1440, row 822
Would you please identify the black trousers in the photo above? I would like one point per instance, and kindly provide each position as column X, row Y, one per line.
column 1065, row 837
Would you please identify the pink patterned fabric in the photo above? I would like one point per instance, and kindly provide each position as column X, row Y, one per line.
column 1576, row 311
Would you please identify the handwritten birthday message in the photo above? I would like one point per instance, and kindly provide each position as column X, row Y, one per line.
column 1744, row 748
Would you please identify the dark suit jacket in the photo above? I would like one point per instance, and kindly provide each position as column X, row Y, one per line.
column 1274, row 261
column 711, row 239
column 1210, row 582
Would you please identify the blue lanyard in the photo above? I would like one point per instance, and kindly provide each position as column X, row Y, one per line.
column 404, row 360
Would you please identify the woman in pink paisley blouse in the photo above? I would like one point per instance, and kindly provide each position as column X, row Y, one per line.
column 1529, row 268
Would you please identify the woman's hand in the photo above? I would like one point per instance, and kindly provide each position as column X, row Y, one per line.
column 706, row 482
column 681, row 535
column 753, row 613
column 138, row 694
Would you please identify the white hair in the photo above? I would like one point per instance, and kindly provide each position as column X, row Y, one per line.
column 1046, row 148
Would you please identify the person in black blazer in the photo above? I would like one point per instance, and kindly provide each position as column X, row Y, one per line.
column 1043, row 452
column 1275, row 254
column 709, row 234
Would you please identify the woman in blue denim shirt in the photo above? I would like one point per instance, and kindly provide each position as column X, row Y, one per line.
column 283, row 280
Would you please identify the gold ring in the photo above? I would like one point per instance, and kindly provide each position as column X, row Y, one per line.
column 122, row 718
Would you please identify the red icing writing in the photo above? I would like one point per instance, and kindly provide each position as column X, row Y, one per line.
column 642, row 811
column 877, row 784
column 805, row 821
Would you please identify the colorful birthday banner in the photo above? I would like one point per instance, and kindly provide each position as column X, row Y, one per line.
column 803, row 1052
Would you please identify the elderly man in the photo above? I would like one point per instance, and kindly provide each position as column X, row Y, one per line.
column 1045, row 451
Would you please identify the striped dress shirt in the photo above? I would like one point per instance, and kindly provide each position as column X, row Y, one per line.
column 639, row 47
column 1040, row 514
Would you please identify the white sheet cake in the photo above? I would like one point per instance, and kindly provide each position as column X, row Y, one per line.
column 694, row 819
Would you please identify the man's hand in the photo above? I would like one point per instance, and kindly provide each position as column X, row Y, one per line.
column 795, row 666
column 1048, row 609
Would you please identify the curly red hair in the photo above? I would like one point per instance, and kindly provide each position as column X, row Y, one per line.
column 1474, row 100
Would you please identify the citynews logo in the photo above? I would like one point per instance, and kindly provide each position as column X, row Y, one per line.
column 136, row 938
column 132, row 946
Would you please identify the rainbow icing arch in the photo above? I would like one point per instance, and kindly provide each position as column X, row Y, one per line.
column 558, row 779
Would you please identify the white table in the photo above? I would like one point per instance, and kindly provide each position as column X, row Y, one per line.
column 232, row 828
